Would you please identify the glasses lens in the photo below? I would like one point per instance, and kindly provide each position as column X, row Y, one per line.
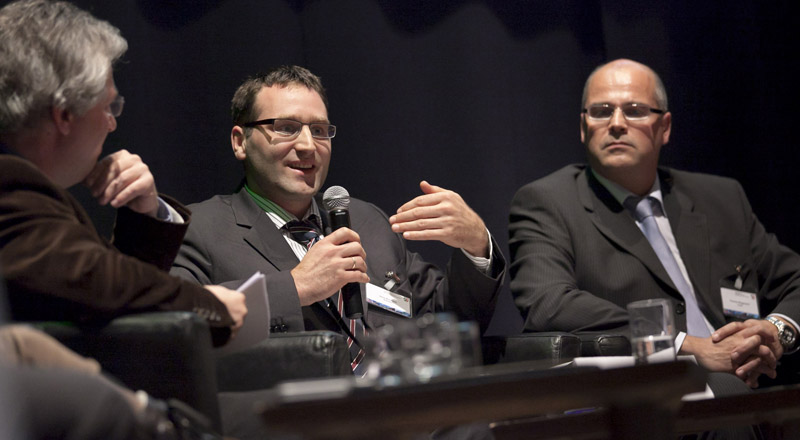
column 287, row 127
column 115, row 108
column 318, row 130
column 291, row 128
column 601, row 111
column 323, row 131
column 633, row 110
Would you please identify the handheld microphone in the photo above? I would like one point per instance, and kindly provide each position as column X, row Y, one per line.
column 337, row 202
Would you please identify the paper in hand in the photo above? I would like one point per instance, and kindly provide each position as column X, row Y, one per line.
column 256, row 324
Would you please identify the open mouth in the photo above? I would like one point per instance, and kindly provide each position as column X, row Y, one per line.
column 302, row 166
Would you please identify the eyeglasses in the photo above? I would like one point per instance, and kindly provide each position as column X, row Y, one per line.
column 291, row 128
column 115, row 108
column 633, row 111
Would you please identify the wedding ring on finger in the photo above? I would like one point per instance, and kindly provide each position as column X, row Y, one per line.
column 354, row 263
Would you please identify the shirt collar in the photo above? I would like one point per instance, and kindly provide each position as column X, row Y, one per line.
column 620, row 194
column 280, row 216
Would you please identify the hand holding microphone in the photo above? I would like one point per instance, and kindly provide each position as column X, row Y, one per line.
column 331, row 263
column 337, row 202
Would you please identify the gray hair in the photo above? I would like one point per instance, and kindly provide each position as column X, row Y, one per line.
column 660, row 91
column 52, row 55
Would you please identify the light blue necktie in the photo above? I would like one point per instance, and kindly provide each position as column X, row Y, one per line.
column 696, row 325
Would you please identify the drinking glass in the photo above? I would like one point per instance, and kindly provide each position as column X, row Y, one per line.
column 652, row 331
column 418, row 350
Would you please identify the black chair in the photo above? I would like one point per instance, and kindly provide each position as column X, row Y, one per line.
column 284, row 356
column 166, row 354
column 552, row 348
column 169, row 355
column 602, row 344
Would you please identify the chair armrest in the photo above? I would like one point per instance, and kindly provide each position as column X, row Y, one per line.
column 554, row 347
column 604, row 345
column 284, row 356
column 167, row 354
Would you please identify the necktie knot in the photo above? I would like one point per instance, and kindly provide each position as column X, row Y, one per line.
column 642, row 207
column 305, row 232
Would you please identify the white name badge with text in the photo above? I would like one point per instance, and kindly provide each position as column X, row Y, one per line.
column 739, row 304
column 387, row 300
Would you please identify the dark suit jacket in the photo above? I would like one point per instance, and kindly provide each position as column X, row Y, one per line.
column 57, row 267
column 231, row 238
column 578, row 257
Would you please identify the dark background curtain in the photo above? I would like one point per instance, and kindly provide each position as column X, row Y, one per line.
column 476, row 96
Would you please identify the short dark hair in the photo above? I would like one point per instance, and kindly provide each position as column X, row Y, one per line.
column 243, row 102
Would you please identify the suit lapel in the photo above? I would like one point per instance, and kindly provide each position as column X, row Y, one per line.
column 260, row 233
column 613, row 221
column 690, row 229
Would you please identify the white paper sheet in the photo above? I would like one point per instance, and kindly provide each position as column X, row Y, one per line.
column 256, row 324
column 606, row 362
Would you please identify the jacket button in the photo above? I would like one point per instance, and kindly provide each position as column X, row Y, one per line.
column 680, row 308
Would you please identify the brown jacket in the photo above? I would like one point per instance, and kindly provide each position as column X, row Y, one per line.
column 57, row 266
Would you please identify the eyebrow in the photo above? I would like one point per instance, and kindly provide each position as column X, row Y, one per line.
column 626, row 102
column 298, row 119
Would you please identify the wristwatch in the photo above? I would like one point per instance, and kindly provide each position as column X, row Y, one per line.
column 785, row 333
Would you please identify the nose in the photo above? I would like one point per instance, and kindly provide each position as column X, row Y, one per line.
column 304, row 141
column 112, row 123
column 618, row 123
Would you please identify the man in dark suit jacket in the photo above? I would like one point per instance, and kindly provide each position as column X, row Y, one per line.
column 285, row 166
column 579, row 255
column 58, row 102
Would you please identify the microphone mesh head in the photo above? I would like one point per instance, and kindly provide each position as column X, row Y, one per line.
column 336, row 197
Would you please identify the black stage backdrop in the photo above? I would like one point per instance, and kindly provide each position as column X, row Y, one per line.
column 476, row 96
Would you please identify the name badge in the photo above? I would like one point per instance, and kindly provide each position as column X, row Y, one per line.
column 390, row 301
column 739, row 304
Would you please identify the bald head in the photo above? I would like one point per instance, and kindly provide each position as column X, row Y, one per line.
column 625, row 148
column 621, row 66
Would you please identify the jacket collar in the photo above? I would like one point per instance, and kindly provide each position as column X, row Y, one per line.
column 260, row 232
column 616, row 223
column 689, row 228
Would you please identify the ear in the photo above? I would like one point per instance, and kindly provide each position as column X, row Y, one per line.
column 62, row 119
column 583, row 128
column 666, row 123
column 238, row 140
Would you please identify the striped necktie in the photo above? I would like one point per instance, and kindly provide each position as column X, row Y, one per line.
column 306, row 232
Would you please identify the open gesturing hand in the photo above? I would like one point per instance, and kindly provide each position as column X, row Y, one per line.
column 442, row 215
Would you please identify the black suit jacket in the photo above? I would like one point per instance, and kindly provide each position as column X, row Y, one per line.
column 230, row 238
column 578, row 257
